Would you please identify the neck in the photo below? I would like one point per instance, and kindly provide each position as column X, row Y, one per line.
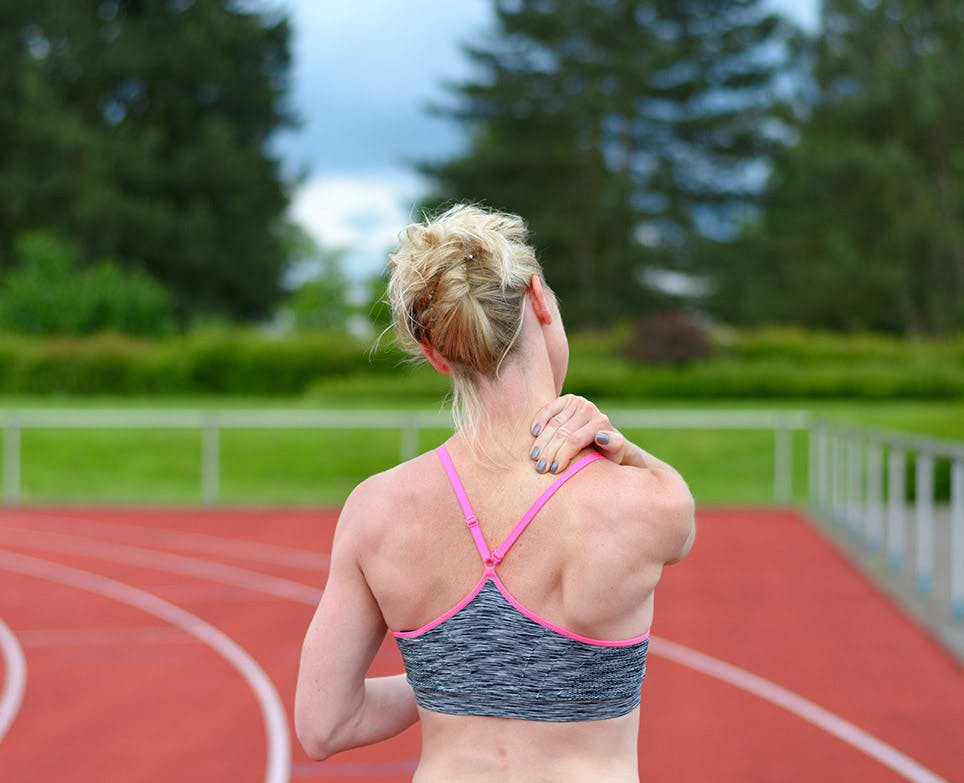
column 510, row 404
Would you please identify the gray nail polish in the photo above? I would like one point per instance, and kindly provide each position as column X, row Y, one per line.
column 536, row 429
column 603, row 438
column 554, row 467
column 535, row 453
column 541, row 467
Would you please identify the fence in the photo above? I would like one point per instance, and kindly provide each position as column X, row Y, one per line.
column 845, row 468
column 847, row 486
column 210, row 424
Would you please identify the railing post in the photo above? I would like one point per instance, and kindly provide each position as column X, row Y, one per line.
column 823, row 469
column 782, row 463
column 896, row 525
column 210, row 460
column 875, row 511
column 410, row 438
column 957, row 538
column 925, row 522
column 11, row 461
column 854, row 466
column 837, row 477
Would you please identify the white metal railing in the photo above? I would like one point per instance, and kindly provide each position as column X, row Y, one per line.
column 846, row 464
column 846, row 485
column 211, row 423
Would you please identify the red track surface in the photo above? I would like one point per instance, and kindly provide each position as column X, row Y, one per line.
column 115, row 693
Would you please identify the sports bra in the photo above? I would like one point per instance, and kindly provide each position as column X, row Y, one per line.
column 490, row 655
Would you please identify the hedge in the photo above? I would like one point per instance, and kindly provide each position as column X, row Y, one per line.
column 761, row 364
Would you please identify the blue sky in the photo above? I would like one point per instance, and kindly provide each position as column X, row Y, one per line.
column 363, row 74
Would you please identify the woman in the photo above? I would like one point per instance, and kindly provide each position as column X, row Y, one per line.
column 524, row 660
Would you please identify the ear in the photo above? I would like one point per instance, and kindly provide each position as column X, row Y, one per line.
column 539, row 298
column 435, row 359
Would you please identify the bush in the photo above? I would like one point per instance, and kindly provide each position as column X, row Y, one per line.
column 670, row 337
column 48, row 292
column 244, row 362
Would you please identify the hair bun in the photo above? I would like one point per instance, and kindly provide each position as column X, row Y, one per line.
column 458, row 283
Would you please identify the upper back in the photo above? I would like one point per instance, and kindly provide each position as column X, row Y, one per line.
column 583, row 563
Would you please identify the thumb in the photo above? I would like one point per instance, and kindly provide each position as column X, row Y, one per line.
column 610, row 442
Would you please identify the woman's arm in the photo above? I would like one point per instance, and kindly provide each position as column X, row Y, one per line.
column 336, row 707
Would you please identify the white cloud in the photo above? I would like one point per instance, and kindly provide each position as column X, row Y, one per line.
column 359, row 214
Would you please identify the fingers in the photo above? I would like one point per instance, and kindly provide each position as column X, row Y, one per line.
column 566, row 426
column 560, row 412
column 547, row 412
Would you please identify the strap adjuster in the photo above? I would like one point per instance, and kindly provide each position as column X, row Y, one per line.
column 495, row 557
column 472, row 521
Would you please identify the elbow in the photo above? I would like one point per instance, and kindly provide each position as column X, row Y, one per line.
column 318, row 745
column 318, row 738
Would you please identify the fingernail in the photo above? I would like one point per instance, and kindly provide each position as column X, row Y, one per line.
column 541, row 467
column 535, row 453
column 554, row 467
column 536, row 429
column 602, row 437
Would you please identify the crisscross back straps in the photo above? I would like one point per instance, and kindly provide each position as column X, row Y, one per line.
column 499, row 552
column 470, row 519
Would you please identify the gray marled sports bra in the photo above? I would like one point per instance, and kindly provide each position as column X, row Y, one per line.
column 489, row 655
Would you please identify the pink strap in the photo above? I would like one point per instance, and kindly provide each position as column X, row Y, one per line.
column 495, row 557
column 470, row 519
column 500, row 551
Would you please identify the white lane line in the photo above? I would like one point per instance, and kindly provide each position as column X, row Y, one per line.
column 150, row 636
column 203, row 543
column 15, row 679
column 162, row 561
column 733, row 675
column 278, row 767
column 803, row 708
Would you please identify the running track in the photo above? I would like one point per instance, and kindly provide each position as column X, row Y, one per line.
column 160, row 645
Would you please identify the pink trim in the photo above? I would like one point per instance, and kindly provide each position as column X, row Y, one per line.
column 445, row 615
column 499, row 552
column 490, row 574
column 553, row 627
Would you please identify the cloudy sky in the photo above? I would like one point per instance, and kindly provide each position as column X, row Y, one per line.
column 363, row 75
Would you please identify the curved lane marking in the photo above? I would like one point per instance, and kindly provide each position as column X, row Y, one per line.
column 278, row 767
column 244, row 578
column 685, row 656
column 15, row 681
column 803, row 708
column 205, row 543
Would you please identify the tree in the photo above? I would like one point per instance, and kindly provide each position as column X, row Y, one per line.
column 139, row 130
column 320, row 299
column 863, row 220
column 622, row 130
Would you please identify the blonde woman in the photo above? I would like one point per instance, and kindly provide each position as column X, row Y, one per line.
column 515, row 564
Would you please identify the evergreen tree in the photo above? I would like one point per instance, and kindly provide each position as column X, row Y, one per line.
column 863, row 226
column 138, row 131
column 622, row 130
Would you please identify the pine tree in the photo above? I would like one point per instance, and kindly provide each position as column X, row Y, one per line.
column 863, row 226
column 622, row 130
column 138, row 131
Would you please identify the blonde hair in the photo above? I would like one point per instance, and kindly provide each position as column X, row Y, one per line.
column 458, row 283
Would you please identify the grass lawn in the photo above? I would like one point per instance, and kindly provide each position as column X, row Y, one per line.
column 305, row 467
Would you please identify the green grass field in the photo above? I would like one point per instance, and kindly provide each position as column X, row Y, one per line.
column 306, row 467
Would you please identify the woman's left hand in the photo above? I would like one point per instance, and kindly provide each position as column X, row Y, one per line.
column 565, row 427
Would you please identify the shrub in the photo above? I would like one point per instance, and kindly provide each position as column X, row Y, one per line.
column 670, row 337
column 49, row 292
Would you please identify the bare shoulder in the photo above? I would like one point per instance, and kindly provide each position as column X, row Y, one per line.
column 384, row 496
column 653, row 508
